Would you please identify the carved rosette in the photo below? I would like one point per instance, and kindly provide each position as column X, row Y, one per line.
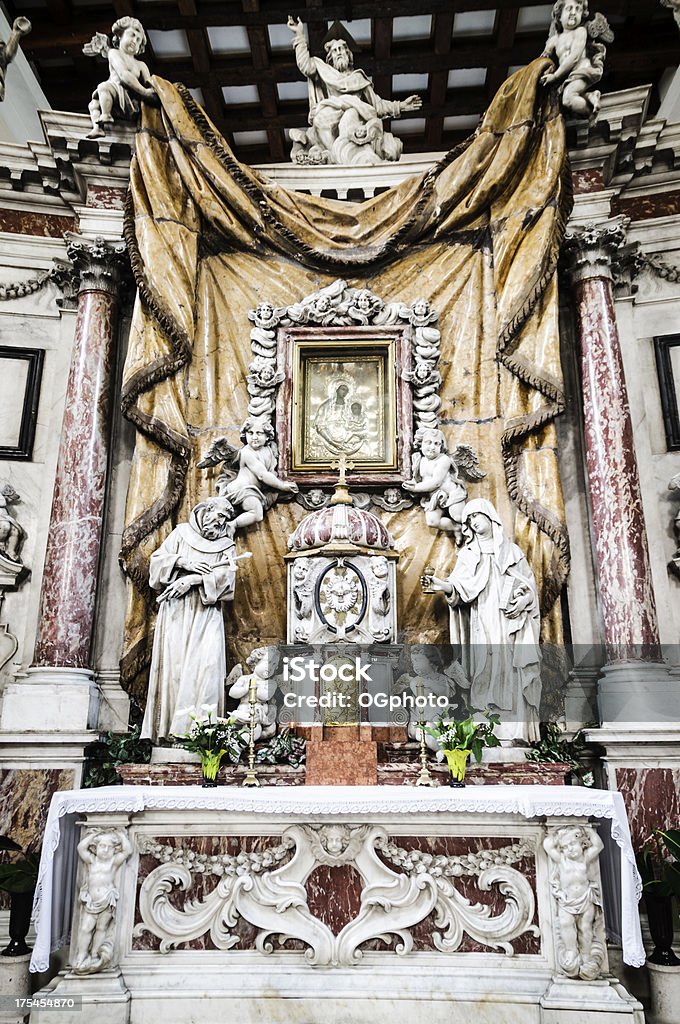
column 399, row 888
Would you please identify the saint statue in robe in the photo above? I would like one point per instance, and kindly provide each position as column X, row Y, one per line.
column 194, row 569
column 495, row 621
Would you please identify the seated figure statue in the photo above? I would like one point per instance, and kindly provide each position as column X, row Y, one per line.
column 345, row 112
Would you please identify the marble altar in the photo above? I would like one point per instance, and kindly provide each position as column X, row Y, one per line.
column 338, row 903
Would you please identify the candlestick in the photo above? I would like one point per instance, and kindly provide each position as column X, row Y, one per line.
column 251, row 778
column 424, row 775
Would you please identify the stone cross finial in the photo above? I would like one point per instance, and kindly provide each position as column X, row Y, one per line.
column 342, row 495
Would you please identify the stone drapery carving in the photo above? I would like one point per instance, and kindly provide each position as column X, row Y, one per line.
column 102, row 851
column 573, row 851
column 345, row 112
column 275, row 901
column 8, row 49
column 195, row 570
column 129, row 80
column 577, row 44
column 495, row 620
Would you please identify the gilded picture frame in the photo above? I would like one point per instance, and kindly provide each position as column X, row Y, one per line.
column 345, row 395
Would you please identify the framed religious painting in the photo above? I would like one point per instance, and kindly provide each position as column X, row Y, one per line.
column 20, row 376
column 667, row 350
column 344, row 394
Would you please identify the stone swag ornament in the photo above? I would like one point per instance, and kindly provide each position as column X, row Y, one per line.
column 345, row 112
column 8, row 50
column 129, row 81
column 577, row 45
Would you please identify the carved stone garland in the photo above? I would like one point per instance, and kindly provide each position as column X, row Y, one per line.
column 392, row 902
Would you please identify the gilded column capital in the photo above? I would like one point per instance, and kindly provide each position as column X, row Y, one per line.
column 99, row 263
column 591, row 250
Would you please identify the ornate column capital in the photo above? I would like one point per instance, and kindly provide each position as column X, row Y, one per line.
column 99, row 263
column 590, row 250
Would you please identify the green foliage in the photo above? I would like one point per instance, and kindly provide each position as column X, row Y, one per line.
column 659, row 863
column 211, row 736
column 19, row 874
column 466, row 733
column 110, row 750
column 553, row 747
column 283, row 748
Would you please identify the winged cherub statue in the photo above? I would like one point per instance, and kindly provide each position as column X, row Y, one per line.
column 129, row 80
column 248, row 479
column 437, row 477
column 577, row 45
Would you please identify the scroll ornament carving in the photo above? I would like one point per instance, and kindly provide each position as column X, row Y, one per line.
column 103, row 851
column 581, row 946
column 392, row 902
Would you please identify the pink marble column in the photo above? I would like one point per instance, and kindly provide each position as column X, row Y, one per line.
column 69, row 585
column 627, row 603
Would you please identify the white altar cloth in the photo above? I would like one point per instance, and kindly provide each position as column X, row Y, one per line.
column 54, row 892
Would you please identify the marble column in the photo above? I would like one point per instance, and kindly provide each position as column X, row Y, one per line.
column 635, row 682
column 62, row 655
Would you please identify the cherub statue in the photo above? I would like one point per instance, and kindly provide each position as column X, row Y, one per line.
column 576, row 43
column 430, row 677
column 573, row 851
column 129, row 79
column 248, row 479
column 102, row 852
column 303, row 587
column 263, row 663
column 380, row 598
column 12, row 534
column 437, row 477
column 8, row 51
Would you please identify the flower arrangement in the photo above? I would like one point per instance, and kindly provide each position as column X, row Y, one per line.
column 460, row 737
column 211, row 738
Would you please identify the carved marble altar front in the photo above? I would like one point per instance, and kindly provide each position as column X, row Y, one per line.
column 339, row 904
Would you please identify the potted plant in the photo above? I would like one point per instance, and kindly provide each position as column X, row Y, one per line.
column 211, row 738
column 659, row 866
column 18, row 877
column 460, row 737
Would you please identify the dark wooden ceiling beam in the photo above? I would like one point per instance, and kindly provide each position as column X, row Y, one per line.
column 504, row 31
column 266, row 87
column 439, row 80
column 382, row 49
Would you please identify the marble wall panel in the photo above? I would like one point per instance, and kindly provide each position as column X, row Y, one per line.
column 25, row 796
column 652, row 798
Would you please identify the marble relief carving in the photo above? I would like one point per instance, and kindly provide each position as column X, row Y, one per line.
column 581, row 945
column 399, row 888
column 674, row 564
column 8, row 49
column 102, row 851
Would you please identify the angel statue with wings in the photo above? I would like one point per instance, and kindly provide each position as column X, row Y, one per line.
column 576, row 43
column 437, row 477
column 248, row 479
column 129, row 79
